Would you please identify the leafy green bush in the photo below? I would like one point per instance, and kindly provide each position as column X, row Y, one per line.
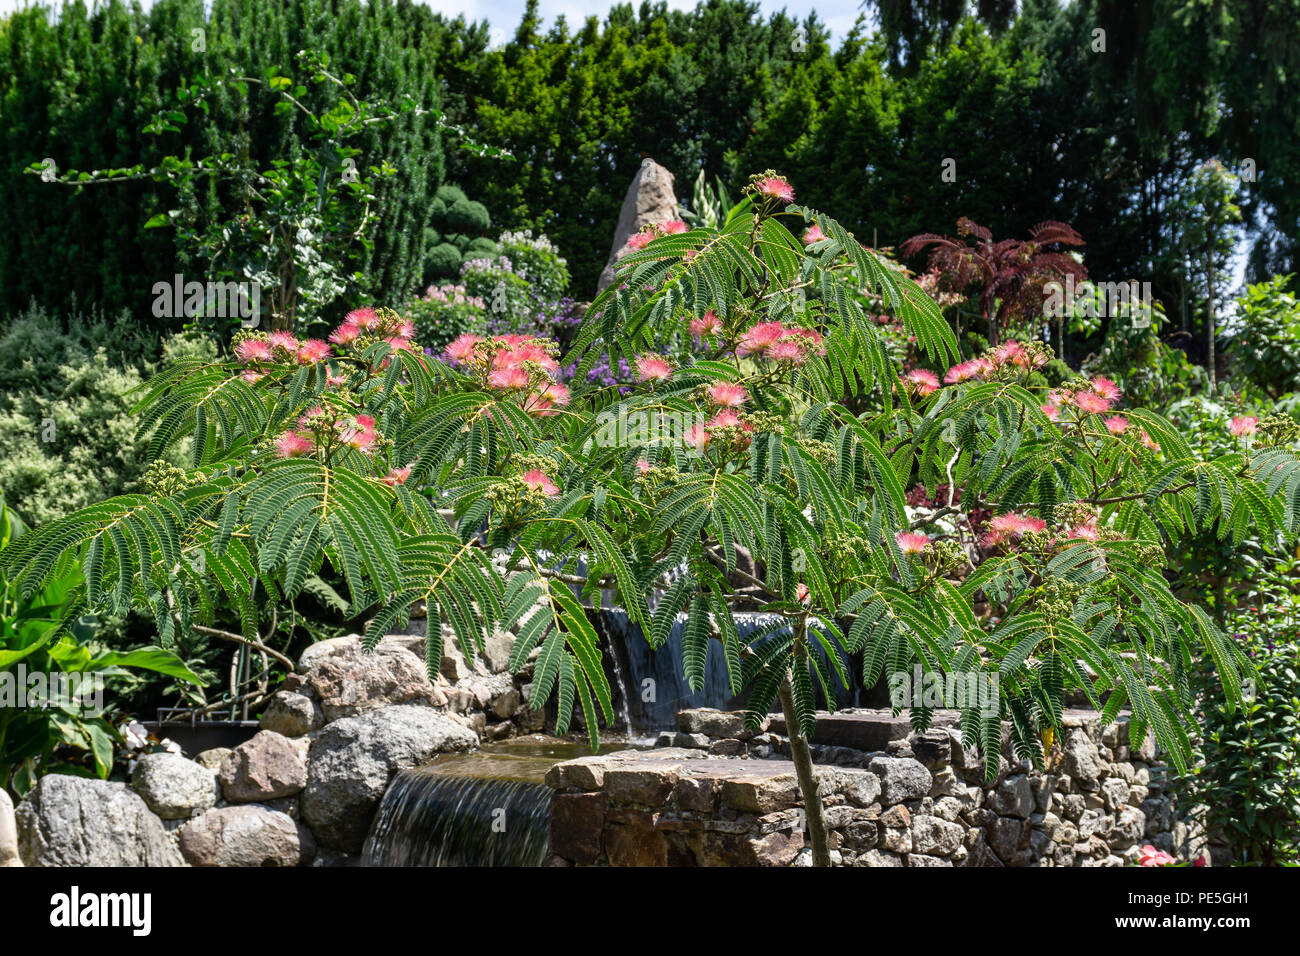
column 44, row 641
column 445, row 312
column 1248, row 779
column 67, row 435
column 1266, row 347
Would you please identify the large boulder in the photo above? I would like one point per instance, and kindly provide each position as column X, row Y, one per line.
column 8, row 833
column 352, row 761
column 77, row 821
column 650, row 199
column 349, row 681
column 248, row 835
column 267, row 767
column 173, row 787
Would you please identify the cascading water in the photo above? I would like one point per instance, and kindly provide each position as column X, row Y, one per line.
column 433, row 818
column 655, row 689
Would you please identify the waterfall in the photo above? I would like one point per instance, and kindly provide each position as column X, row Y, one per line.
column 655, row 689
column 430, row 817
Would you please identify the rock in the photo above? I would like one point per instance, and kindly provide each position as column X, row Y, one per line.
column 727, row 747
column 496, row 650
column 248, row 835
column 173, row 787
column 649, row 199
column 716, row 723
column 860, row 787
column 936, row 837
column 761, row 793
column 328, row 648
column 1128, row 829
column 635, row 845
column 643, row 784
column 879, row 858
column 292, row 715
column 901, row 778
column 577, row 820
column 77, row 821
column 1081, row 760
column 933, row 748
column 352, row 761
column 266, row 767
column 1114, row 791
column 350, row 681
column 920, row 859
column 505, row 704
column 1014, row 797
column 1009, row 839
column 8, row 833
column 213, row 759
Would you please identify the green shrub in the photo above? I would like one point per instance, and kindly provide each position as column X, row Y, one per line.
column 443, row 260
column 444, row 312
column 67, row 435
column 1266, row 347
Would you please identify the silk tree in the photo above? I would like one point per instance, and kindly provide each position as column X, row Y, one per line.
column 479, row 486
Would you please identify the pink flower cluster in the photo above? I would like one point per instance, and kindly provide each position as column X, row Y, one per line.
column 726, row 397
column 537, row 480
column 920, row 381
column 1150, row 856
column 365, row 326
column 513, row 363
column 911, row 542
column 1097, row 399
column 1244, row 425
column 709, row 325
column 318, row 428
column 653, row 368
column 775, row 187
column 278, row 348
column 449, row 294
column 781, row 343
column 813, row 234
column 1010, row 527
column 1010, row 354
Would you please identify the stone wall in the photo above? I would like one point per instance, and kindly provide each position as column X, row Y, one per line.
column 717, row 794
column 305, row 789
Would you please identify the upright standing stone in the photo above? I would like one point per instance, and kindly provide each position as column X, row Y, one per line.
column 650, row 198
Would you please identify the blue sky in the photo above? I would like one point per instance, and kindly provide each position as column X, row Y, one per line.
column 504, row 14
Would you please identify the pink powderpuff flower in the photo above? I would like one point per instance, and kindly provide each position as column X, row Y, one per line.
column 727, row 418
column 965, row 371
column 313, row 351
column 253, row 350
column 1011, row 526
column 728, row 394
column 361, row 436
column 643, row 466
column 1146, row 440
column 760, row 337
column 1084, row 532
column 294, row 445
column 813, row 234
column 537, row 480
column 705, row 326
column 1150, row 856
column 507, row 378
column 396, row 476
column 1116, row 424
column 1092, row 402
column 529, row 350
column 1106, row 389
column 921, row 381
column 1010, row 352
column 787, row 351
column 674, row 227
column 776, row 187
column 1244, row 425
column 810, row 337
column 911, row 542
column 1051, row 411
column 802, row 594
column 639, row 240
column 461, row 349
column 543, row 403
column 331, row 378
column 285, row 342
column 653, row 368
column 252, row 377
column 698, row 437
column 345, row 334
column 313, row 415
column 364, row 318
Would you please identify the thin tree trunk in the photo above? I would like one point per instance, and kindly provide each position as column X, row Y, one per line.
column 808, row 786
column 1209, row 319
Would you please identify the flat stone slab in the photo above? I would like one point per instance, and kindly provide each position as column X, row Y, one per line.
column 867, row 730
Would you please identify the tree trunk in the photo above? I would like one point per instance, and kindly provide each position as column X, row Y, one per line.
column 808, row 786
column 1209, row 320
